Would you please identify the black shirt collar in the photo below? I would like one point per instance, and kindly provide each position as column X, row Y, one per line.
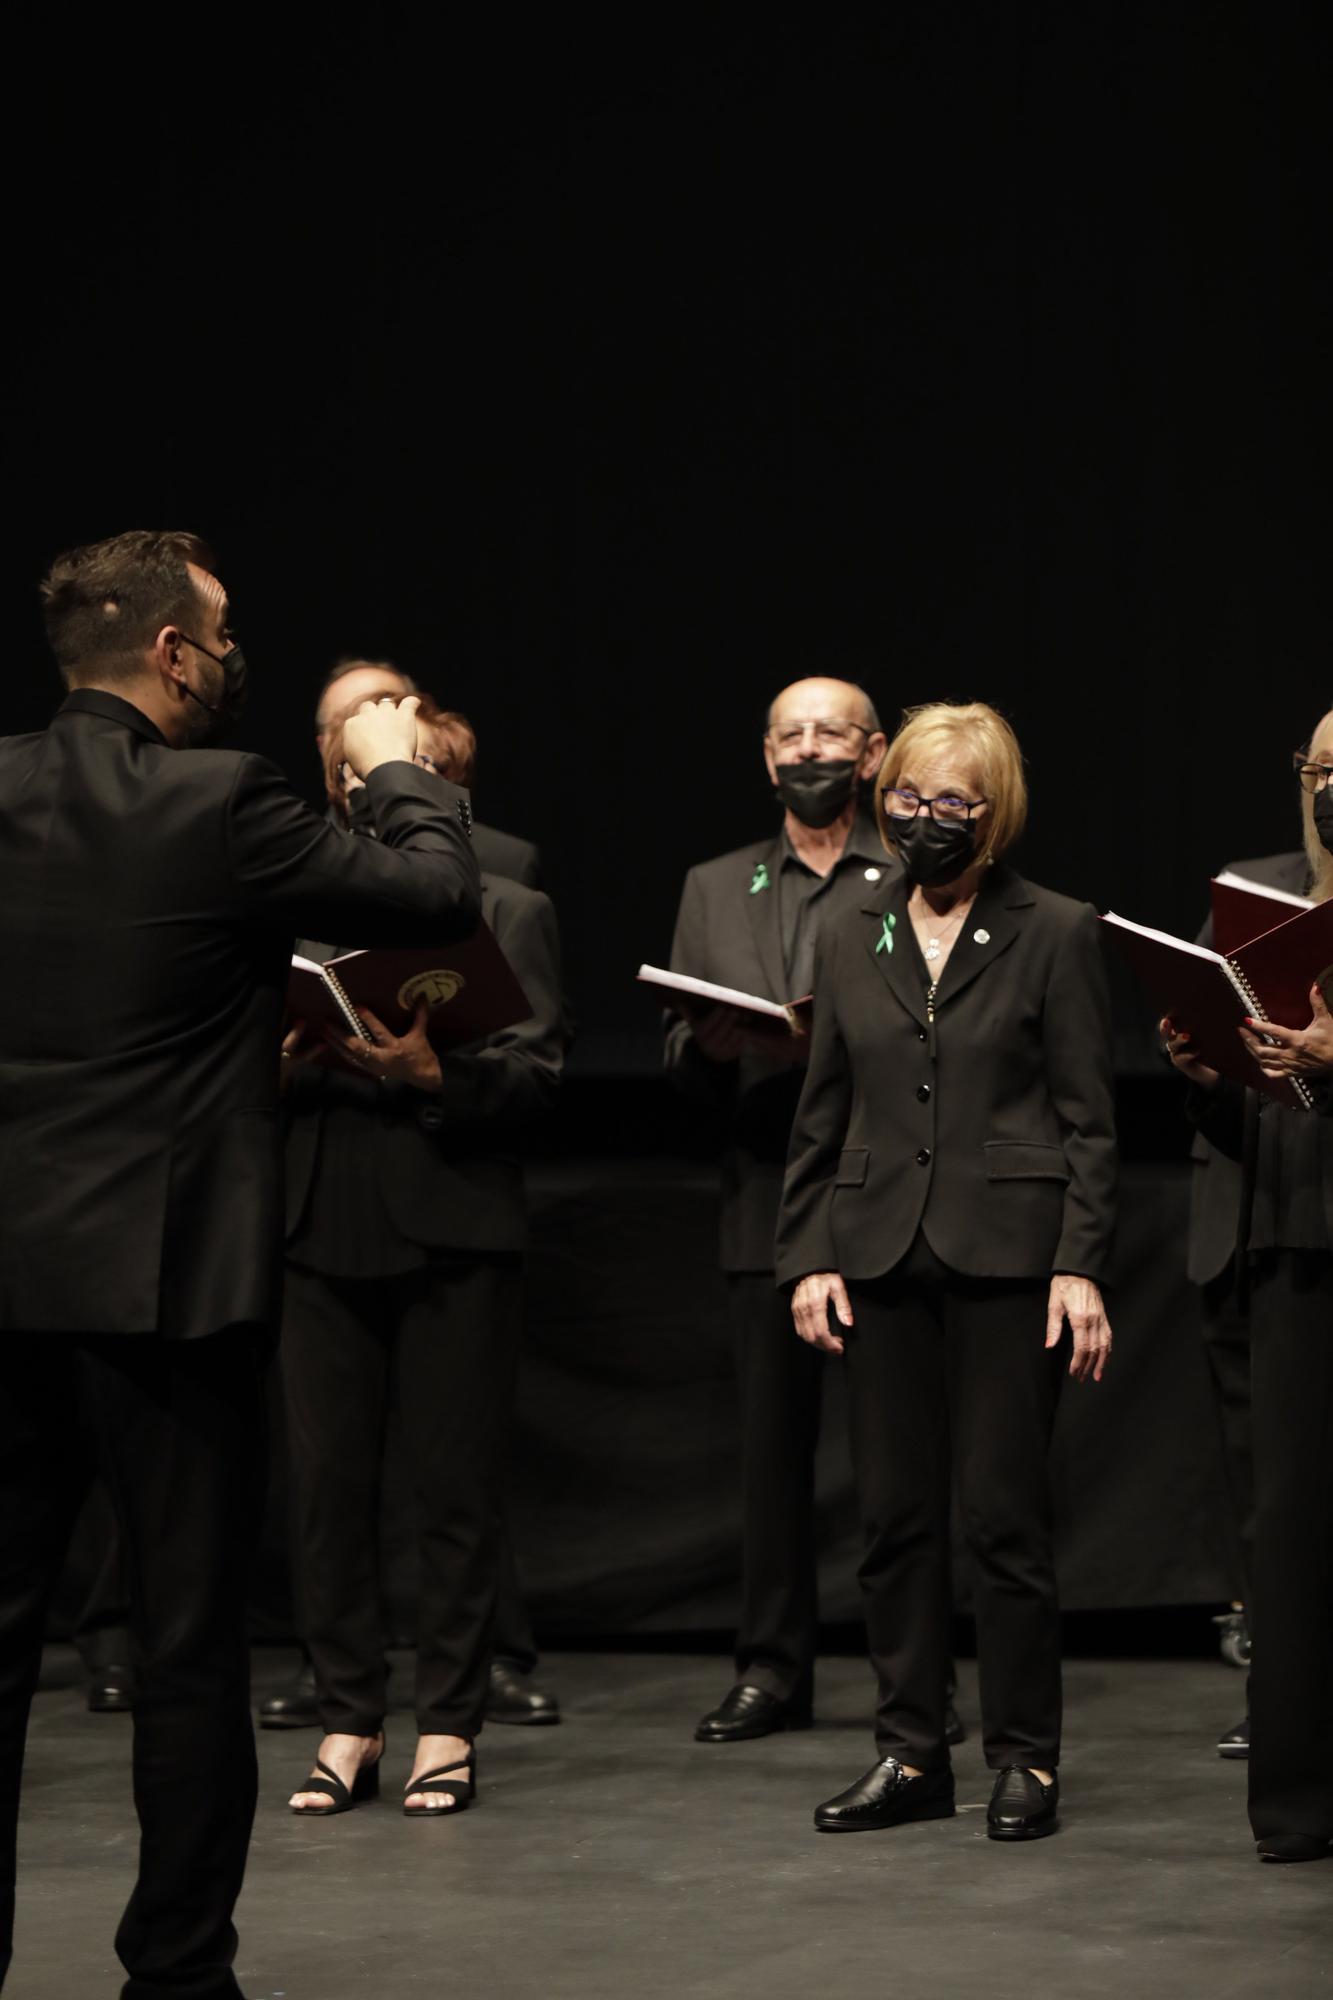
column 863, row 845
column 96, row 701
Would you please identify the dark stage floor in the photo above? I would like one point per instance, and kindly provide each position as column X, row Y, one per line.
column 613, row 1857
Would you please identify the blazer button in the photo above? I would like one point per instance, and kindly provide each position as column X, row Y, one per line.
column 921, row 1035
column 923, row 1157
column 923, row 1093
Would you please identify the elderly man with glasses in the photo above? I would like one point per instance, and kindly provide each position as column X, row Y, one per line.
column 750, row 920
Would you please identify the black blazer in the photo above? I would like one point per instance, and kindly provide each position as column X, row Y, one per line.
column 151, row 897
column 1215, row 1182
column 729, row 931
column 446, row 1163
column 995, row 1129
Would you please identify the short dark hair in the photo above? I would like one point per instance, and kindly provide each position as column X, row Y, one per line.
column 103, row 604
column 352, row 663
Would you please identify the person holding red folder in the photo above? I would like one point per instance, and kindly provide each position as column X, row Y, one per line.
column 1285, row 1256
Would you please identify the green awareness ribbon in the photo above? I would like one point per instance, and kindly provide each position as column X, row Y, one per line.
column 760, row 878
column 886, row 937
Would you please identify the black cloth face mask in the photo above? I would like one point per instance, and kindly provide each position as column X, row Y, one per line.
column 816, row 791
column 932, row 853
column 1323, row 817
column 234, row 675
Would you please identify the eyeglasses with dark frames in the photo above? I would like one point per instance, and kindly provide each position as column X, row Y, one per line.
column 946, row 806
column 1313, row 777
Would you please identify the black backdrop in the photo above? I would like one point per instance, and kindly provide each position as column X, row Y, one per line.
column 611, row 372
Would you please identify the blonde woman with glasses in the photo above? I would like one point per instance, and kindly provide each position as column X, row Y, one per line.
column 946, row 1228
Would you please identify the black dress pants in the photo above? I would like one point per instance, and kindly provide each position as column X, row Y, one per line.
column 1226, row 1346
column 946, row 1372
column 446, row 1340
column 1291, row 1724
column 780, row 1382
column 179, row 1427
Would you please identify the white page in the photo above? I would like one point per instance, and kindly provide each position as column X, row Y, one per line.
column 704, row 989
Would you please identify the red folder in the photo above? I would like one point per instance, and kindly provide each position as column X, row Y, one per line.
column 1243, row 910
column 691, row 998
column 1211, row 993
column 471, row 987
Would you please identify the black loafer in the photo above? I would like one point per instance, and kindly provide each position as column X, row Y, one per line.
column 749, row 1712
column 111, row 1691
column 513, row 1698
column 1021, row 1807
column 294, row 1707
column 1294, row 1847
column 886, row 1796
column 1236, row 1742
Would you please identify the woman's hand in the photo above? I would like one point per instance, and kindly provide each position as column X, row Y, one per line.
column 1079, row 1301
column 1299, row 1051
column 405, row 1058
column 809, row 1308
column 1176, row 1041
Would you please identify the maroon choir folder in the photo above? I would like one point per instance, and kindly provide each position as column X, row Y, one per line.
column 693, row 997
column 1243, row 910
column 471, row 988
column 1210, row 992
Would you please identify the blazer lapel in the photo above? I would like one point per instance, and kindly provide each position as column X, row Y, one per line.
column 761, row 894
column 899, row 967
column 990, row 927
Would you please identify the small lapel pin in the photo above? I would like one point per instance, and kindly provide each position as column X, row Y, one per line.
column 981, row 937
column 886, row 935
column 760, row 878
column 873, row 874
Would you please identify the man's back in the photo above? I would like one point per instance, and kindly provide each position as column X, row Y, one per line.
column 150, row 900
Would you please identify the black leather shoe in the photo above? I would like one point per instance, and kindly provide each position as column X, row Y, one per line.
column 1236, row 1742
column 513, row 1698
column 954, row 1731
column 293, row 1707
column 886, row 1796
column 748, row 1712
column 1294, row 1847
column 1021, row 1807
column 111, row 1691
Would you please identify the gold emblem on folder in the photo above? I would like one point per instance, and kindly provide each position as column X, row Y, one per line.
column 437, row 988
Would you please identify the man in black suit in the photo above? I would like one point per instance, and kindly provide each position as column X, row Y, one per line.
column 1215, row 1187
column 750, row 920
column 152, row 890
column 515, row 1697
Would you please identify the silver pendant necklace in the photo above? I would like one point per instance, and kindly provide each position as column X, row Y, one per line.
column 935, row 945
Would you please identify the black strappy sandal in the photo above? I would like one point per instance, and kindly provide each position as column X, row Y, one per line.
column 365, row 1785
column 446, row 1779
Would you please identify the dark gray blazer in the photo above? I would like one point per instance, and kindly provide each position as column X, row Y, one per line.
column 728, row 930
column 151, row 898
column 505, row 854
column 1215, row 1182
column 994, row 1130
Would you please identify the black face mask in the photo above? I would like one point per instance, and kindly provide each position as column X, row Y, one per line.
column 234, row 676
column 816, row 791
column 932, row 853
column 1323, row 818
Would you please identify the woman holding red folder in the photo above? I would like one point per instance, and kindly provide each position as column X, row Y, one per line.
column 1285, row 1252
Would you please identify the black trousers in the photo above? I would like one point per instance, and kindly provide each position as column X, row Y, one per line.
column 1226, row 1346
column 780, row 1381
column 1291, row 1726
column 445, row 1340
column 179, row 1429
column 950, row 1373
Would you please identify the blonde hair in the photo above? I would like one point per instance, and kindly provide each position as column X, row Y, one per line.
column 981, row 738
column 1318, row 856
